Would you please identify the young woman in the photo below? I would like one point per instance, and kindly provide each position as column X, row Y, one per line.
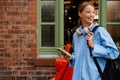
column 101, row 43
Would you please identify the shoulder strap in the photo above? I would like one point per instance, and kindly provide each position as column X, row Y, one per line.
column 94, row 58
column 95, row 28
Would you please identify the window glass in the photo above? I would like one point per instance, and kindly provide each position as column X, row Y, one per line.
column 48, row 10
column 48, row 36
column 113, row 11
column 115, row 32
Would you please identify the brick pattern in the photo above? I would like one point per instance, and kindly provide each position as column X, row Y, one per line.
column 18, row 42
column 44, row 62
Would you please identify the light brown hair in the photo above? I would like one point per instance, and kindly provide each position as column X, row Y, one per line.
column 83, row 5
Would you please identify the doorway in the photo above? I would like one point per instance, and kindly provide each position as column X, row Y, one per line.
column 71, row 19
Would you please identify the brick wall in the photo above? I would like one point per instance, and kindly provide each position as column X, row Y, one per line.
column 18, row 42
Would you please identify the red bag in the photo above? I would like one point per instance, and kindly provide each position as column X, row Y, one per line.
column 64, row 71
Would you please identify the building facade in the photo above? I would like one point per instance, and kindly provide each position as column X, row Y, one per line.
column 31, row 30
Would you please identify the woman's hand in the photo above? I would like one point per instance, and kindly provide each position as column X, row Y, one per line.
column 68, row 57
column 90, row 40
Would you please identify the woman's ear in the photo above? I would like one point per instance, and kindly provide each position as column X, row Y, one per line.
column 79, row 14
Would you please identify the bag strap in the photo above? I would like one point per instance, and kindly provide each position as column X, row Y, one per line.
column 97, row 65
column 94, row 58
column 95, row 28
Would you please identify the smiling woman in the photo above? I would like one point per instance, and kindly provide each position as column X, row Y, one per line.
column 100, row 43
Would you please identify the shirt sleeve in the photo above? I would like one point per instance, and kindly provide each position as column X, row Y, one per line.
column 72, row 61
column 105, row 47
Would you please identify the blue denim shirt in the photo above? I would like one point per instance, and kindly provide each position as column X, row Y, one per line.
column 104, row 47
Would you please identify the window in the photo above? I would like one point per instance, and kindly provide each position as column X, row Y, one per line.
column 48, row 36
column 113, row 20
column 50, row 26
column 113, row 11
column 47, row 24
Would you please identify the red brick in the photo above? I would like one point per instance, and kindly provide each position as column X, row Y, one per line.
column 32, row 18
column 1, row 13
column 19, row 4
column 8, row 73
column 26, row 13
column 23, row 72
column 31, row 8
column 34, row 3
column 2, row 50
column 32, row 55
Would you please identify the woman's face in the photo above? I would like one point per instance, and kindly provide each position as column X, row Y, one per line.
column 87, row 15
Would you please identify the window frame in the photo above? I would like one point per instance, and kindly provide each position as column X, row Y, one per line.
column 59, row 19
